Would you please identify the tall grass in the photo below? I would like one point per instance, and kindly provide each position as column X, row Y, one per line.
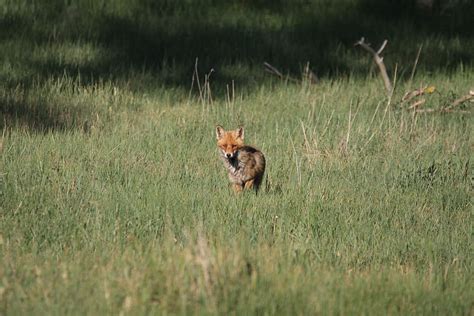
column 113, row 199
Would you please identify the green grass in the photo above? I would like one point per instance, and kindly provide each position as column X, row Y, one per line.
column 113, row 198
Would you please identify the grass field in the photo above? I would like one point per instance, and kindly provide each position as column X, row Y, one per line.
column 113, row 199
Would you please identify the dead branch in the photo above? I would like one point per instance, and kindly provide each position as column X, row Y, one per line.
column 426, row 110
column 417, row 93
column 269, row 68
column 379, row 61
column 411, row 94
column 460, row 100
column 272, row 70
column 450, row 108
column 417, row 104
column 443, row 110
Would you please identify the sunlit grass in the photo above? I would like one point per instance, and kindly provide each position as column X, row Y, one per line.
column 133, row 212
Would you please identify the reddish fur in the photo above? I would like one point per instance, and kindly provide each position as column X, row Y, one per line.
column 245, row 164
column 230, row 142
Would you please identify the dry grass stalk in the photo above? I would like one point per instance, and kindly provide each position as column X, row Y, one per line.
column 205, row 95
column 415, row 64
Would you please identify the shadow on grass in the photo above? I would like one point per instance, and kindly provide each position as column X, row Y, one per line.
column 40, row 115
column 164, row 38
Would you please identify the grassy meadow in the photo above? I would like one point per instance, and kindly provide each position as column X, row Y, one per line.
column 113, row 199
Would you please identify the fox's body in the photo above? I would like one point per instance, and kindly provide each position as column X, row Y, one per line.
column 245, row 164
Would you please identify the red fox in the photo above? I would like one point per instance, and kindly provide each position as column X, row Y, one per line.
column 245, row 164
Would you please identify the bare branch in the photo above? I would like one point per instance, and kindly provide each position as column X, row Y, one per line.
column 411, row 94
column 379, row 61
column 269, row 68
column 417, row 104
column 272, row 70
column 460, row 100
column 450, row 108
column 442, row 111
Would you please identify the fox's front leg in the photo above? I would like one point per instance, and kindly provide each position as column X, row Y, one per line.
column 249, row 184
column 237, row 187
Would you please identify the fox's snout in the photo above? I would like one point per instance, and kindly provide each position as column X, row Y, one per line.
column 229, row 155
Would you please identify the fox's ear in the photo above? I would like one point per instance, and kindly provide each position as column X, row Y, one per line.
column 240, row 133
column 219, row 132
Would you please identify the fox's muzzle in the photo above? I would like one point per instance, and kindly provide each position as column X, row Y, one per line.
column 229, row 155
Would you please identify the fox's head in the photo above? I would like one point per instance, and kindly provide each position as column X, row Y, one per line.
column 229, row 142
